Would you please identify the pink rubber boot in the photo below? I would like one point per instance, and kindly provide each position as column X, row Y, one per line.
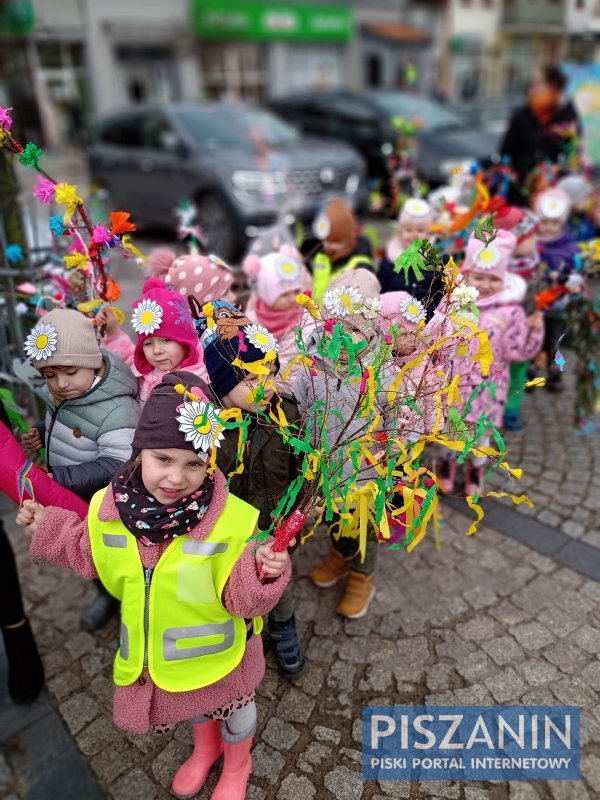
column 237, row 767
column 208, row 746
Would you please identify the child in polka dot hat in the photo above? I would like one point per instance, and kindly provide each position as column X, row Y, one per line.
column 206, row 277
column 166, row 337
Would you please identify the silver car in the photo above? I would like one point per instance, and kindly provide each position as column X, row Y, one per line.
column 241, row 165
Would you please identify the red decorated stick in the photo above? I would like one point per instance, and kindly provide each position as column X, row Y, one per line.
column 285, row 532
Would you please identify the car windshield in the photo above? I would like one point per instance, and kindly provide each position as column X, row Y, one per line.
column 416, row 107
column 231, row 126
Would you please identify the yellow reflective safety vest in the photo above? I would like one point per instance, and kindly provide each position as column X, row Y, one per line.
column 172, row 617
column 323, row 273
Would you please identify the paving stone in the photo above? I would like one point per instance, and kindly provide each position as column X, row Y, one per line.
column 591, row 674
column 478, row 629
column 505, row 686
column 567, row 657
column 475, row 666
column 168, row 761
column 136, row 785
column 508, row 614
column 280, row 734
column 296, row 787
column 78, row 710
column 357, row 730
column 519, row 790
column 590, row 769
column 503, row 650
column 574, row 692
column 312, row 756
column 395, row 788
column 91, row 740
column 63, row 685
column 341, row 676
column 267, row 763
column 559, row 621
column 446, row 789
column 480, row 597
column 573, row 529
column 532, row 635
column 80, row 643
column 344, row 784
column 377, row 679
column 437, row 677
column 327, row 734
column 311, row 680
column 321, row 649
column 537, row 672
column 111, row 762
column 476, row 695
column 476, row 793
column 295, row 706
column 254, row 792
column 567, row 790
column 353, row 650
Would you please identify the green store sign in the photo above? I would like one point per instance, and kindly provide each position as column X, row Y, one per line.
column 271, row 21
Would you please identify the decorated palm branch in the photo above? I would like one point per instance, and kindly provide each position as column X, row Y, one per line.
column 91, row 243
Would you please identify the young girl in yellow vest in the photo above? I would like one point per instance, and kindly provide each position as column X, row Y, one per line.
column 171, row 543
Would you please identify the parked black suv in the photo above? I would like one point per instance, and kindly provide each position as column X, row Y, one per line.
column 365, row 120
column 241, row 165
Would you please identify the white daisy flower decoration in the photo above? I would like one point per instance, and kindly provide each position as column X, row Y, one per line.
column 322, row 226
column 199, row 422
column 41, row 342
column 487, row 257
column 147, row 317
column 553, row 206
column 218, row 262
column 343, row 300
column 416, row 207
column 261, row 338
column 286, row 268
column 412, row 309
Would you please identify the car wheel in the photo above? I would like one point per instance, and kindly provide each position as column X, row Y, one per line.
column 219, row 226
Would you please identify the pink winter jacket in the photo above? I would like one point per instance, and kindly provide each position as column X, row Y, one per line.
column 121, row 345
column 511, row 339
column 63, row 539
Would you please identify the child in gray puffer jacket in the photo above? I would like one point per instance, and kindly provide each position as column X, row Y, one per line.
column 92, row 414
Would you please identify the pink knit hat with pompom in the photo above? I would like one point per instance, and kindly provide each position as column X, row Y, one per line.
column 162, row 312
column 493, row 259
column 274, row 274
column 206, row 277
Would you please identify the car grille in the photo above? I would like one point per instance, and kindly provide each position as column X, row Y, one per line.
column 307, row 182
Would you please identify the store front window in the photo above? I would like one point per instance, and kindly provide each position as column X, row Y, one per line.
column 234, row 70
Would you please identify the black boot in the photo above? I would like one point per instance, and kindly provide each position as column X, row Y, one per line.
column 100, row 610
column 25, row 668
column 288, row 650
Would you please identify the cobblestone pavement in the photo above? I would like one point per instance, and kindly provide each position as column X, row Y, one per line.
column 481, row 620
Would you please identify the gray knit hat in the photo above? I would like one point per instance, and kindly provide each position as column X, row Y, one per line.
column 63, row 338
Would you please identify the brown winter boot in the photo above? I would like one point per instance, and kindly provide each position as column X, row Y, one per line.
column 358, row 594
column 332, row 569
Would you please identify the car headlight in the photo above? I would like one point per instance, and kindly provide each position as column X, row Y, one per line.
column 352, row 183
column 258, row 182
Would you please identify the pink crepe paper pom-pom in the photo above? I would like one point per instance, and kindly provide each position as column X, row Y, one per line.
column 388, row 338
column 77, row 246
column 6, row 120
column 100, row 235
column 44, row 190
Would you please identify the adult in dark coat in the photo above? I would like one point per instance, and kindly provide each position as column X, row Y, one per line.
column 542, row 130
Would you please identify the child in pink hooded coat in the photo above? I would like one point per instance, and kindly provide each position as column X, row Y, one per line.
column 167, row 338
column 276, row 279
column 513, row 337
column 182, row 550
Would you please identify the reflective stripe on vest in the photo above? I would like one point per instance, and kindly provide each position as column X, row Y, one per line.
column 174, row 622
column 323, row 273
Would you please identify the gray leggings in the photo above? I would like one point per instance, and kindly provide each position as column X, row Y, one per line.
column 237, row 727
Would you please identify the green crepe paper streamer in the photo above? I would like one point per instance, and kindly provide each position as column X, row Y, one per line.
column 411, row 259
column 411, row 404
column 460, row 427
column 12, row 409
column 482, row 425
column 283, row 508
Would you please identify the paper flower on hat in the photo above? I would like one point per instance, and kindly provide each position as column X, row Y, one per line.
column 322, row 226
column 261, row 338
column 487, row 257
column 287, row 268
column 372, row 307
column 412, row 309
column 416, row 207
column 41, row 342
column 553, row 206
column 201, row 426
column 343, row 300
column 147, row 317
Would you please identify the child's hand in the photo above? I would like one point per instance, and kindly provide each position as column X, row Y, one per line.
column 536, row 321
column 30, row 514
column 106, row 318
column 32, row 439
column 269, row 563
